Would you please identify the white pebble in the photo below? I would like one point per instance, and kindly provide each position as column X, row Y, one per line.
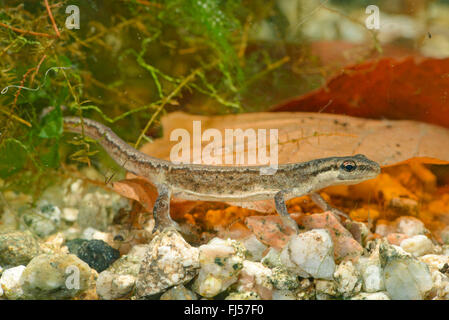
column 10, row 282
column 410, row 226
column 348, row 279
column 255, row 277
column 254, row 247
column 70, row 214
column 221, row 262
column 113, row 286
column 310, row 254
column 417, row 245
column 405, row 277
column 435, row 261
column 371, row 296
column 283, row 295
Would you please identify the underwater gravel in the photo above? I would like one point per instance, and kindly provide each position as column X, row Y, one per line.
column 39, row 258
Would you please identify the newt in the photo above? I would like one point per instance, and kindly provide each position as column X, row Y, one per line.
column 227, row 183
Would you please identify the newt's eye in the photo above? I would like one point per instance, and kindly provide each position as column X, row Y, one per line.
column 348, row 165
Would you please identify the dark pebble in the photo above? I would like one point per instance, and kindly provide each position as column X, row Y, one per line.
column 96, row 253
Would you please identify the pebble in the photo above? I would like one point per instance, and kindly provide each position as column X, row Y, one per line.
column 345, row 246
column 325, row 289
column 94, row 234
column 435, row 261
column 445, row 235
column 348, row 279
column 384, row 228
column 221, row 262
column 111, row 286
column 410, row 226
column 169, row 261
column 56, row 276
column 10, row 282
column 18, row 248
column 96, row 253
column 283, row 295
column 272, row 258
column 179, row 293
column 255, row 277
column 310, row 254
column 282, row 279
column 97, row 209
column 254, row 247
column 70, row 214
column 440, row 289
column 371, row 272
column 418, row 245
column 405, row 277
column 396, row 238
column 120, row 278
column 243, row 296
column 371, row 296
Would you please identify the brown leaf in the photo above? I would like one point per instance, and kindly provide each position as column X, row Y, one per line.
column 411, row 88
column 306, row 136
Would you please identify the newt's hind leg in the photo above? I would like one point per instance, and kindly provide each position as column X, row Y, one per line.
column 161, row 210
column 320, row 202
column 281, row 208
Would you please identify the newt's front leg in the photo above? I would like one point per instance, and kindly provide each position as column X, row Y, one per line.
column 281, row 208
column 161, row 210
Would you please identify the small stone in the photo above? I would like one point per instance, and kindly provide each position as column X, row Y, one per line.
column 417, row 245
column 272, row 258
column 348, row 279
column 179, row 293
column 310, row 254
column 282, row 279
column 283, row 295
column 255, row 277
column 120, row 278
column 56, row 276
column 40, row 225
column 97, row 209
column 113, row 286
column 396, row 238
column 169, row 261
column 445, row 235
column 384, row 228
column 96, row 253
column 254, row 247
column 405, row 277
column 130, row 263
column 221, row 262
column 10, row 282
column 70, row 214
column 50, row 211
column 345, row 246
column 410, row 226
column 18, row 248
column 371, row 272
column 325, row 289
column 435, row 261
column 94, row 234
column 306, row 290
column 243, row 296
column 371, row 296
column 440, row 289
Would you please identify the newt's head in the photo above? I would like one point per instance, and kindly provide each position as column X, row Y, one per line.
column 355, row 169
column 343, row 170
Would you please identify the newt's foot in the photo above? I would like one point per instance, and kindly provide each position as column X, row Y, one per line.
column 320, row 202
